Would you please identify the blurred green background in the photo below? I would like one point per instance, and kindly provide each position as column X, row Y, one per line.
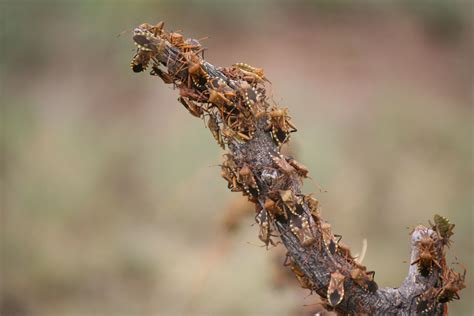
column 112, row 202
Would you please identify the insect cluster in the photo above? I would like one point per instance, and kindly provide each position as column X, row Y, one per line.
column 229, row 100
column 450, row 282
column 232, row 102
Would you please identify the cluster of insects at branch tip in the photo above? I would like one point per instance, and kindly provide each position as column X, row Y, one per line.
column 450, row 282
column 233, row 104
column 449, row 285
column 230, row 103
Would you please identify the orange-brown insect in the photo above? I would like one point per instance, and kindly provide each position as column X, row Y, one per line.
column 146, row 40
column 192, row 94
column 221, row 86
column 364, row 278
column 335, row 292
column 215, row 130
column 426, row 301
column 283, row 165
column 345, row 251
column 166, row 77
column 300, row 227
column 192, row 44
column 218, row 98
column 250, row 74
column 301, row 169
column 426, row 255
column 263, row 219
column 258, row 71
column 453, row 284
column 192, row 107
column 195, row 73
column 247, row 178
column 237, row 121
column 140, row 61
column 274, row 208
column 156, row 29
column 280, row 125
column 250, row 95
column 230, row 133
column 329, row 239
column 292, row 203
column 229, row 173
column 176, row 39
column 313, row 205
column 220, row 94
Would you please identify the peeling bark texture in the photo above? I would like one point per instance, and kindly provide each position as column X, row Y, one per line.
column 240, row 117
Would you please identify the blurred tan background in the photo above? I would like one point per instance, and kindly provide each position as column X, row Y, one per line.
column 112, row 202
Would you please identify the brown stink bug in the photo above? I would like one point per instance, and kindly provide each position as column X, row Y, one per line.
column 192, row 107
column 300, row 227
column 301, row 169
column 329, row 239
column 280, row 125
column 215, row 130
column 364, row 278
column 166, row 77
column 313, row 205
column 453, row 284
column 140, row 61
column 250, row 95
column 283, row 165
column 246, row 68
column 250, row 74
column 147, row 41
column 247, row 178
column 335, row 292
column 229, row 172
column 426, row 255
column 263, row 220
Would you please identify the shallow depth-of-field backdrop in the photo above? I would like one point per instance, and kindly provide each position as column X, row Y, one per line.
column 112, row 200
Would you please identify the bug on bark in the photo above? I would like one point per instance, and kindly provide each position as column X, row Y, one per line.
column 280, row 125
column 426, row 302
column 248, row 180
column 140, row 61
column 263, row 219
column 427, row 255
column 329, row 239
column 453, row 284
column 166, row 77
column 364, row 278
column 300, row 227
column 335, row 292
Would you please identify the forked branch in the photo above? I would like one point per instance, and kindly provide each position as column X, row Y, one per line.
column 239, row 115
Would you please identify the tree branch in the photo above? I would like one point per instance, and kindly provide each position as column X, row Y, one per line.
column 240, row 117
